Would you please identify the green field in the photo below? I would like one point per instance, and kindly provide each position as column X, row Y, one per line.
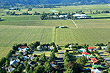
column 27, row 29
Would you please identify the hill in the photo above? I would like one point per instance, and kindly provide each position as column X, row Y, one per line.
column 29, row 2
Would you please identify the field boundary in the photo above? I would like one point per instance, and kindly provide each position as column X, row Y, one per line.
column 75, row 24
column 42, row 34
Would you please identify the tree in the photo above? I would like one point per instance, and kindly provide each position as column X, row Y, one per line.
column 90, row 11
column 55, row 49
column 108, row 47
column 39, row 69
column 20, row 68
column 52, row 57
column 70, row 70
column 48, row 67
column 29, row 9
column 2, row 61
column 2, row 70
column 31, row 70
column 42, row 57
column 74, row 66
column 82, row 60
column 7, row 62
column 27, row 68
column 99, row 48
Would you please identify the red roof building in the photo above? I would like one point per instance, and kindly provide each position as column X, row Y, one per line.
column 23, row 47
column 85, row 53
column 91, row 47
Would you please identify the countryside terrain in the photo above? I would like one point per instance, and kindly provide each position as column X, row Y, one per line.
column 30, row 28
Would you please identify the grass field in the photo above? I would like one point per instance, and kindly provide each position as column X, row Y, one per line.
column 22, row 29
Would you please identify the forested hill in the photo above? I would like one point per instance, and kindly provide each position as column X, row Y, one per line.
column 25, row 2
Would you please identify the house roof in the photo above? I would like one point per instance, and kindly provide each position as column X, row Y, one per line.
column 93, row 59
column 96, row 66
column 81, row 15
column 86, row 53
column 23, row 47
column 91, row 47
column 96, row 70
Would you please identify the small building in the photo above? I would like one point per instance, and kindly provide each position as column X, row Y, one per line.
column 14, row 8
column 62, row 16
column 82, row 50
column 23, row 48
column 10, row 69
column 95, row 71
column 13, row 62
column 104, row 47
column 91, row 48
column 85, row 53
column 51, row 47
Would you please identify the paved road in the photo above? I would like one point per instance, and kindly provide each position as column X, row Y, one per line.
column 40, row 51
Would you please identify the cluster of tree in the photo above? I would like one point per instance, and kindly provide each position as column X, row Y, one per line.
column 108, row 47
column 99, row 12
column 50, row 16
column 15, row 46
column 100, row 44
column 77, row 46
column 24, row 13
column 82, row 60
column 71, row 66
column 33, row 45
column 46, row 47
column 80, row 12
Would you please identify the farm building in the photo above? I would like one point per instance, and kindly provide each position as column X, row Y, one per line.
column 81, row 16
column 63, row 16
column 14, row 8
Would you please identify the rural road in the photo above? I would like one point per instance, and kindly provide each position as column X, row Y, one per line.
column 74, row 23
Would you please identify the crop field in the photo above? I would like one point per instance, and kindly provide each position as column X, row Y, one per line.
column 27, row 29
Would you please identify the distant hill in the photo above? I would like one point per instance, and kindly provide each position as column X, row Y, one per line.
column 28, row 2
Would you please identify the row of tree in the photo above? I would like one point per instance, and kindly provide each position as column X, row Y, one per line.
column 24, row 13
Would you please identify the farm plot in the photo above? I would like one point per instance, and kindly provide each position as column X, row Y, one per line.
column 21, row 17
column 23, row 34
column 19, row 34
column 93, row 23
column 89, row 36
column 49, row 23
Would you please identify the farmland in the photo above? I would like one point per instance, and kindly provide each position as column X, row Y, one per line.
column 21, row 29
